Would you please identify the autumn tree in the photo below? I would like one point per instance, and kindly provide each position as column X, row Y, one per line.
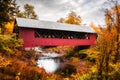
column 108, row 43
column 28, row 12
column 115, row 16
column 8, row 10
column 113, row 20
column 72, row 18
column 61, row 20
column 105, row 46
column 20, row 14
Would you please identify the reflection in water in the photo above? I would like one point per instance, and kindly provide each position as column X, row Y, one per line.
column 49, row 62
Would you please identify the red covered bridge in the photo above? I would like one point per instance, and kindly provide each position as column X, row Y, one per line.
column 46, row 33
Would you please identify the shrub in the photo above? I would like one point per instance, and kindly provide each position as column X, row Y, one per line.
column 91, row 58
column 29, row 54
column 89, row 54
column 27, row 72
column 91, row 75
column 10, row 46
column 3, row 62
column 82, row 55
column 114, row 73
column 67, row 70
column 70, row 54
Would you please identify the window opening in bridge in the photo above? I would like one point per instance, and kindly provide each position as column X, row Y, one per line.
column 44, row 33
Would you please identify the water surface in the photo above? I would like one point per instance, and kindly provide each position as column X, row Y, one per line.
column 49, row 61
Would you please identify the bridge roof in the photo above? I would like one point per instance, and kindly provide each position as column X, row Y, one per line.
column 31, row 23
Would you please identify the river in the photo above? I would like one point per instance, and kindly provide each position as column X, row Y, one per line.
column 49, row 61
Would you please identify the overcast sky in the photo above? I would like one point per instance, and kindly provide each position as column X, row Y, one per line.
column 52, row 10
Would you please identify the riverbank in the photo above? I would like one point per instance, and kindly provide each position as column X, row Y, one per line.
column 24, row 63
column 60, row 49
column 21, row 64
column 71, row 65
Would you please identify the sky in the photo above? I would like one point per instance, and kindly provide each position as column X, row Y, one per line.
column 91, row 11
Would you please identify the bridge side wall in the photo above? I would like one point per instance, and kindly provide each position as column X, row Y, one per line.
column 30, row 41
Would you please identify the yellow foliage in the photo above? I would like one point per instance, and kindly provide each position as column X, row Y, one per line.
column 10, row 46
column 107, row 42
column 72, row 18
column 93, row 52
column 61, row 49
column 97, row 28
column 9, row 27
column 3, row 62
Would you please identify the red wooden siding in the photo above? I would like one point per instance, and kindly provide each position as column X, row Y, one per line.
column 30, row 41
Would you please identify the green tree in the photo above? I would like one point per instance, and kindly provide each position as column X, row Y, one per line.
column 28, row 12
column 8, row 10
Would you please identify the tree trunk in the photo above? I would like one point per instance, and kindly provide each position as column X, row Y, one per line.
column 100, row 66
